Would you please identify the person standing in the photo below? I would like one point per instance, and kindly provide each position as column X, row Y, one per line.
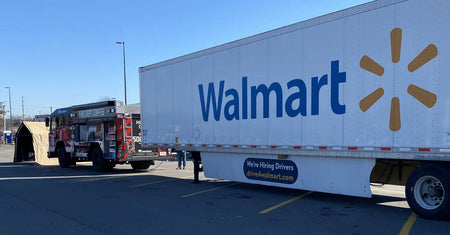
column 181, row 159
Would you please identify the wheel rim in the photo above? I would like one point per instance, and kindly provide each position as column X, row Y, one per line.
column 429, row 192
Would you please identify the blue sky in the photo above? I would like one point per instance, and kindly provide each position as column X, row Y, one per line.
column 59, row 53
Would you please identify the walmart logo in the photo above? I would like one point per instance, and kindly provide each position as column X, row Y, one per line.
column 423, row 96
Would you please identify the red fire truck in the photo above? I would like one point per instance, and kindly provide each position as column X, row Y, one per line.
column 106, row 133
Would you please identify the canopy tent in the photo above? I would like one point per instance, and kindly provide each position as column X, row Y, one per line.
column 32, row 144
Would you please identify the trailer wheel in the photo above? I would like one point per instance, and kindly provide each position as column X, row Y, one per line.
column 141, row 165
column 63, row 160
column 99, row 163
column 428, row 192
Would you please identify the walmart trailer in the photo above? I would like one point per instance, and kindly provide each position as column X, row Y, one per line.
column 330, row 104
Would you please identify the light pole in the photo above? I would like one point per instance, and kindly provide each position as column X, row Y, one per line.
column 4, row 121
column 10, row 111
column 124, row 71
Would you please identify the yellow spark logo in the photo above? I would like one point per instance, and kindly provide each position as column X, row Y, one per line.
column 425, row 97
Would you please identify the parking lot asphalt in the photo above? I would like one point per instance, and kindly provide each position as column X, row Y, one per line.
column 38, row 199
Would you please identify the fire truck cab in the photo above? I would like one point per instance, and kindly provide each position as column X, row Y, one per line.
column 106, row 133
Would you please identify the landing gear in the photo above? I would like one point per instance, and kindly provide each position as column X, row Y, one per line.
column 197, row 169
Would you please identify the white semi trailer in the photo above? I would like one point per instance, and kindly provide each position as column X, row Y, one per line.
column 330, row 104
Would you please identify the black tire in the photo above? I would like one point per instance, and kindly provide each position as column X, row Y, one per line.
column 63, row 159
column 99, row 163
column 428, row 192
column 141, row 165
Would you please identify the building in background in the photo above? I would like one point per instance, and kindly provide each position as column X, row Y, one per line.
column 40, row 118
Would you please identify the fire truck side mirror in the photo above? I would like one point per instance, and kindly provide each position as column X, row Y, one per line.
column 47, row 122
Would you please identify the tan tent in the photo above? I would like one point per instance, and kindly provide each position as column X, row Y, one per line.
column 32, row 144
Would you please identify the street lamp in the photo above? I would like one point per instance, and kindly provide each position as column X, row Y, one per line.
column 4, row 113
column 10, row 110
column 124, row 71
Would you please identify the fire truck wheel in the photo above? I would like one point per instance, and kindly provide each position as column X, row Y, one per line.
column 63, row 159
column 141, row 165
column 428, row 192
column 99, row 163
